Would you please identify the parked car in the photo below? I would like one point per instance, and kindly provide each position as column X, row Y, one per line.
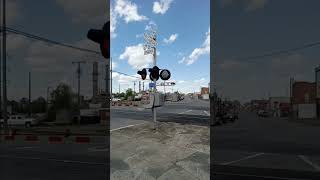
column 263, row 113
column 116, row 99
column 19, row 120
column 231, row 116
column 221, row 118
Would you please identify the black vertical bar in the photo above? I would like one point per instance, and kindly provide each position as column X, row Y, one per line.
column 4, row 59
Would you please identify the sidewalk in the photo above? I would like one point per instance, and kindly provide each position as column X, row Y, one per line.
column 174, row 151
column 310, row 122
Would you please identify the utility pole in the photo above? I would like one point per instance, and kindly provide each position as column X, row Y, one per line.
column 139, row 86
column 48, row 94
column 95, row 74
column 1, row 50
column 108, row 82
column 78, row 73
column 119, row 88
column 134, row 87
column 4, row 64
column 30, row 103
column 111, row 76
column 142, row 86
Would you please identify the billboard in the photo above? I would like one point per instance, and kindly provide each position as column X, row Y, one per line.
column 318, row 81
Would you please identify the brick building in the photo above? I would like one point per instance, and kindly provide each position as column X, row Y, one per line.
column 303, row 92
column 304, row 100
column 204, row 90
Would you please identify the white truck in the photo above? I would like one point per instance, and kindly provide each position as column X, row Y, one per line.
column 19, row 120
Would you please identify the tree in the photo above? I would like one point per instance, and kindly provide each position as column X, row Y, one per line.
column 129, row 93
column 23, row 105
column 39, row 105
column 62, row 97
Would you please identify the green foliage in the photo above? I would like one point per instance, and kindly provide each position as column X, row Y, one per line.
column 39, row 105
column 129, row 93
column 62, row 97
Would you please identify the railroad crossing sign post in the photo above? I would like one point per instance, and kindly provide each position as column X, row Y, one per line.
column 150, row 48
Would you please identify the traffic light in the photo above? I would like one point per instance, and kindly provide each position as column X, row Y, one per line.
column 165, row 74
column 154, row 73
column 102, row 37
column 143, row 73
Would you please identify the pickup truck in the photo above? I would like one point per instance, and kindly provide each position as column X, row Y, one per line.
column 17, row 120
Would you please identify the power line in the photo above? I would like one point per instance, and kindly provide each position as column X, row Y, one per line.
column 31, row 36
column 124, row 74
column 280, row 52
column 28, row 35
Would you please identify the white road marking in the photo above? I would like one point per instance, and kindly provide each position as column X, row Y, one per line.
column 185, row 112
column 27, row 147
column 56, row 160
column 206, row 112
column 126, row 127
column 245, row 158
column 306, row 160
column 96, row 149
column 257, row 176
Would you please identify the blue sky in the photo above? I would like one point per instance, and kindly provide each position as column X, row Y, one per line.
column 187, row 22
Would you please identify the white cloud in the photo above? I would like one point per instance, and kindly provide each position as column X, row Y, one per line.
column 135, row 57
column 197, row 52
column 185, row 86
column 13, row 9
column 81, row 11
column 16, row 42
column 171, row 39
column 44, row 57
column 255, row 4
column 113, row 23
column 162, row 6
column 128, row 10
column 200, row 81
column 181, row 82
column 114, row 65
column 150, row 25
column 139, row 35
column 250, row 5
column 115, row 75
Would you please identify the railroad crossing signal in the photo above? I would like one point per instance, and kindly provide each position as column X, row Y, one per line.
column 143, row 73
column 154, row 73
column 165, row 74
column 102, row 37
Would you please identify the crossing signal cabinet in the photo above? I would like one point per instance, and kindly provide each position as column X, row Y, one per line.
column 152, row 100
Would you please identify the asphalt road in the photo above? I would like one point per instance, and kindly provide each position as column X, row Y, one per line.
column 187, row 111
column 52, row 162
column 74, row 161
column 269, row 144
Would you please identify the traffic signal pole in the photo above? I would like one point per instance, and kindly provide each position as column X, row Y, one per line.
column 155, row 88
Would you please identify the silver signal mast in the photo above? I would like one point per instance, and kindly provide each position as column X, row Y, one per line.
column 149, row 47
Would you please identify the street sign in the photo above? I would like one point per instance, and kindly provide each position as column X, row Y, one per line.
column 166, row 84
column 151, row 85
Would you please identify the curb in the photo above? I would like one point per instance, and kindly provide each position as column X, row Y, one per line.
column 54, row 139
column 126, row 103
